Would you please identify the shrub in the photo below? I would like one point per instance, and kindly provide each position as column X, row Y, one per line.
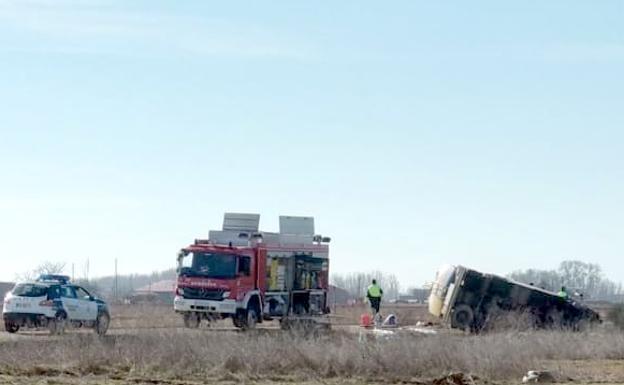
column 616, row 315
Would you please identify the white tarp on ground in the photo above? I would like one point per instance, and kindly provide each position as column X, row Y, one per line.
column 421, row 330
column 390, row 333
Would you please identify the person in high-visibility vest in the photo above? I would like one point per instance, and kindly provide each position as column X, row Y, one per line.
column 374, row 293
column 563, row 293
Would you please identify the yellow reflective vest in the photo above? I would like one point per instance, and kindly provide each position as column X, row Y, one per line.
column 374, row 291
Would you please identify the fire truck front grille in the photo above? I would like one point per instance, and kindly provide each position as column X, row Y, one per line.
column 201, row 293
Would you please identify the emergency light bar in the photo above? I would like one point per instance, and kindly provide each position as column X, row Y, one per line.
column 62, row 279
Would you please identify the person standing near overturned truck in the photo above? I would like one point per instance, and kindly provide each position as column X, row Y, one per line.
column 374, row 293
column 563, row 293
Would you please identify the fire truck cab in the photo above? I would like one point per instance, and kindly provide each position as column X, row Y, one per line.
column 249, row 275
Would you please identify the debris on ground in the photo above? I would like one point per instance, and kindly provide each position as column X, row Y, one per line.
column 421, row 330
column 382, row 332
column 390, row 321
column 455, row 379
column 366, row 320
column 378, row 319
column 389, row 332
column 538, row 376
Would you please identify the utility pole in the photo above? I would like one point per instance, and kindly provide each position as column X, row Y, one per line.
column 116, row 282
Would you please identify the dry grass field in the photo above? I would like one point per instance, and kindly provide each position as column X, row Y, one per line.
column 149, row 345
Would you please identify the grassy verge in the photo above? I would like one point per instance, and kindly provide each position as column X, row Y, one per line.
column 257, row 356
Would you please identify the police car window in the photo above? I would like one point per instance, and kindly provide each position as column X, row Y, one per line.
column 68, row 292
column 30, row 290
column 54, row 292
column 82, row 293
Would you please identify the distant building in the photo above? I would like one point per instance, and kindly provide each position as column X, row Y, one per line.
column 161, row 292
column 415, row 296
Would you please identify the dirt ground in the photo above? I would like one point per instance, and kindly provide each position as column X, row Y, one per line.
column 116, row 380
column 98, row 380
column 612, row 370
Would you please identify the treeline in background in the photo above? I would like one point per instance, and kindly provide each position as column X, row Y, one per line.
column 578, row 277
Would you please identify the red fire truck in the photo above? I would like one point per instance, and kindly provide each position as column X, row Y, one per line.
column 249, row 275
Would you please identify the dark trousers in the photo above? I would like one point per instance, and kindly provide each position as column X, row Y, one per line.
column 375, row 302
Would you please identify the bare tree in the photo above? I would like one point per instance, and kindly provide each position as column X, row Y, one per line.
column 356, row 283
column 391, row 286
column 546, row 279
column 50, row 268
column 582, row 277
column 46, row 267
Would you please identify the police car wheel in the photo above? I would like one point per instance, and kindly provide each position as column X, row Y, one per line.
column 61, row 323
column 101, row 323
column 56, row 325
column 11, row 327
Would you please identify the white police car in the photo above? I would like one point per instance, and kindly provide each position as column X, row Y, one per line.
column 53, row 302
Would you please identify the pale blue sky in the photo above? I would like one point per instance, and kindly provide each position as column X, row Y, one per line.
column 417, row 133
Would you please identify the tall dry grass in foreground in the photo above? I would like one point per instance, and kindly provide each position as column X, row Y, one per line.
column 201, row 353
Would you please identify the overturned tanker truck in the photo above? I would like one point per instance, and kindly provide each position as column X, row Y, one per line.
column 470, row 300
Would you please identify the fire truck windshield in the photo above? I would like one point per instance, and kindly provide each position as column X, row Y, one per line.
column 212, row 265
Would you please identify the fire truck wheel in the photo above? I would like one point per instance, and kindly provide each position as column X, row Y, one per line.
column 463, row 316
column 11, row 327
column 191, row 320
column 237, row 321
column 251, row 319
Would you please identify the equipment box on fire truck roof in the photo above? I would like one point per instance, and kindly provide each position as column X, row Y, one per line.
column 250, row 275
column 241, row 222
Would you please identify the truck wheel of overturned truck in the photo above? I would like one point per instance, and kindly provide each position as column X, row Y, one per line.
column 554, row 319
column 11, row 327
column 463, row 317
column 191, row 320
